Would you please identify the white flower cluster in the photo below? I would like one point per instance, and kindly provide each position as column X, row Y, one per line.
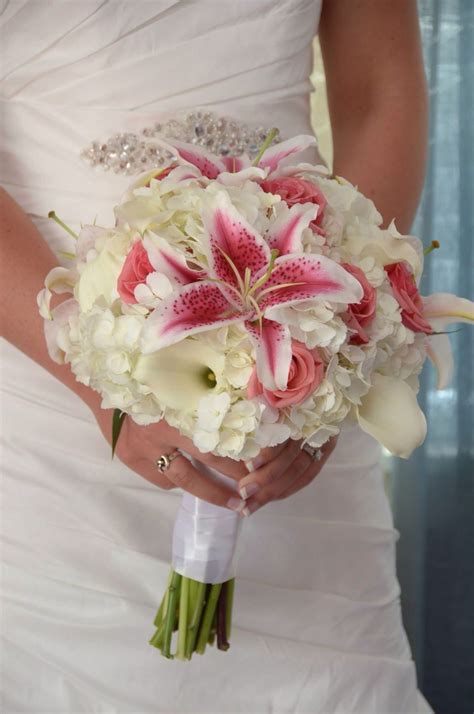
column 200, row 384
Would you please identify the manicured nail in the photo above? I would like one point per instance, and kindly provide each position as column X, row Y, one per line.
column 249, row 490
column 249, row 509
column 254, row 464
column 236, row 504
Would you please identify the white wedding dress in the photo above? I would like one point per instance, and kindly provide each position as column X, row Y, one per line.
column 86, row 542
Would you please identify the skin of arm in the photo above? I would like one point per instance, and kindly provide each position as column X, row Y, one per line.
column 378, row 101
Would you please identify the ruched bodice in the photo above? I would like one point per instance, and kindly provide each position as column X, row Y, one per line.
column 87, row 542
column 97, row 68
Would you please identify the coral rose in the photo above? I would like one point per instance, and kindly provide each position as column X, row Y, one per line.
column 407, row 295
column 134, row 272
column 297, row 190
column 360, row 315
column 306, row 373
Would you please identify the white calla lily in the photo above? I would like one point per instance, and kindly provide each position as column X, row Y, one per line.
column 180, row 375
column 390, row 413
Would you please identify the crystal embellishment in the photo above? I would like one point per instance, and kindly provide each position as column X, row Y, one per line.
column 130, row 153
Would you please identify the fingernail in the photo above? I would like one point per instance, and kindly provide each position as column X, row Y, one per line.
column 249, row 509
column 236, row 504
column 249, row 490
column 254, row 464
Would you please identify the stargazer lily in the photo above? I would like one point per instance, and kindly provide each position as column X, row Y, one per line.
column 213, row 167
column 248, row 275
column 442, row 310
column 402, row 428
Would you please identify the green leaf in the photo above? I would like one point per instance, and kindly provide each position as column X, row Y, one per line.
column 117, row 423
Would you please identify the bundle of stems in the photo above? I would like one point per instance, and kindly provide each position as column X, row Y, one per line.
column 199, row 612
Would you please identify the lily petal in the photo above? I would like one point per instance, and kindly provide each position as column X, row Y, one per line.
column 390, row 413
column 442, row 309
column 315, row 276
column 208, row 164
column 272, row 157
column 168, row 261
column 60, row 317
column 285, row 232
column 194, row 308
column 252, row 173
column 235, row 164
column 233, row 243
column 273, row 352
column 58, row 280
column 438, row 349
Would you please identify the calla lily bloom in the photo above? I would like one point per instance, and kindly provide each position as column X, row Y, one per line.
column 248, row 275
column 442, row 310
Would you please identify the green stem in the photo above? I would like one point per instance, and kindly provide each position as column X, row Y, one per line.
column 270, row 136
column 208, row 618
column 171, row 614
column 230, row 602
column 61, row 223
column 434, row 246
column 199, row 600
column 159, row 615
column 183, row 618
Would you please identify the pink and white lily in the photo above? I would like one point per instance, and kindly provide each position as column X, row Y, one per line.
column 222, row 167
column 248, row 275
column 441, row 310
column 402, row 428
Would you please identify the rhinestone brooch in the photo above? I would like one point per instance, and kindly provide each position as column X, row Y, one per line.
column 130, row 153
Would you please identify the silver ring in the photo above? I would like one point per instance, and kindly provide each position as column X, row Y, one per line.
column 316, row 454
column 164, row 461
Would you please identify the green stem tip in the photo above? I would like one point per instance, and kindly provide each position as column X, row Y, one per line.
column 269, row 138
column 435, row 244
column 61, row 223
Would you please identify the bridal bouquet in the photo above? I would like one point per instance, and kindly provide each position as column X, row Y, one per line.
column 246, row 303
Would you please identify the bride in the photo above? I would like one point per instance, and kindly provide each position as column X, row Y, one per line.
column 86, row 541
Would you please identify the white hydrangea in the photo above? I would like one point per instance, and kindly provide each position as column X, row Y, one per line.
column 200, row 384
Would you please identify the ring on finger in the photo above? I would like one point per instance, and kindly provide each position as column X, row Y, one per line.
column 163, row 462
column 316, row 454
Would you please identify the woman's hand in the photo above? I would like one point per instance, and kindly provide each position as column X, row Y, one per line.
column 278, row 471
column 277, row 477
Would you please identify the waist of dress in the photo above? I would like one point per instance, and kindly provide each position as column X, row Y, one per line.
column 40, row 153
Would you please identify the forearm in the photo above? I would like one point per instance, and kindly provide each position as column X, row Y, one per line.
column 384, row 154
column 25, row 261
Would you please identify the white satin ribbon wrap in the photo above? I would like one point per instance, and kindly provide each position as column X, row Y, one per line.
column 205, row 536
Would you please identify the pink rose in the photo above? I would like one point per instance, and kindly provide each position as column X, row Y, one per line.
column 134, row 272
column 306, row 373
column 407, row 295
column 361, row 314
column 297, row 190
